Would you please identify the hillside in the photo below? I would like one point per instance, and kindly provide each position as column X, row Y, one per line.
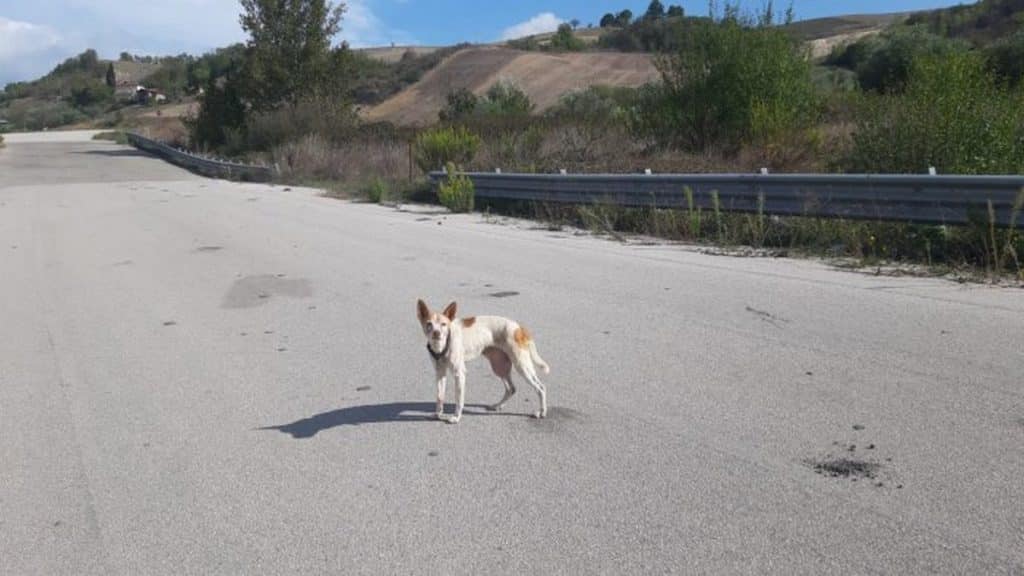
column 830, row 27
column 545, row 77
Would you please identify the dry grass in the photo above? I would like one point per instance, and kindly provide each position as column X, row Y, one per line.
column 170, row 130
column 544, row 77
column 349, row 168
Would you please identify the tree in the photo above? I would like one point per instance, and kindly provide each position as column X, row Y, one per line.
column 624, row 18
column 728, row 85
column 87, row 92
column 125, row 57
column 655, row 10
column 575, row 23
column 675, row 11
column 221, row 110
column 607, row 20
column 565, row 40
column 460, row 105
column 289, row 49
column 111, row 76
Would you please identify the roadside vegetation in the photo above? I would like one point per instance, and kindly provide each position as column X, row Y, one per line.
column 738, row 92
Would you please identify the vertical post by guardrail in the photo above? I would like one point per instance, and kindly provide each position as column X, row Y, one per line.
column 932, row 171
column 497, row 170
column 563, row 171
column 647, row 171
column 764, row 171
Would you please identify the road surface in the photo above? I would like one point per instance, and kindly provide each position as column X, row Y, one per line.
column 203, row 377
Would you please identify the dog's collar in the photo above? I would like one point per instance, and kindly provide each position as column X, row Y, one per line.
column 444, row 352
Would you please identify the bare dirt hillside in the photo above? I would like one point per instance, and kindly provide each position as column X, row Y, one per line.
column 544, row 77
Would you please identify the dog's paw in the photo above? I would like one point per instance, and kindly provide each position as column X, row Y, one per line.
column 538, row 414
column 451, row 419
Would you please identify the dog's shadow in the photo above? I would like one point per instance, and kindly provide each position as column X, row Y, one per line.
column 370, row 414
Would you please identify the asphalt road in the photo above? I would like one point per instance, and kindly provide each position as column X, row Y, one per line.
column 203, row 377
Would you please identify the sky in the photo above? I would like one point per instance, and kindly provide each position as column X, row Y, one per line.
column 36, row 35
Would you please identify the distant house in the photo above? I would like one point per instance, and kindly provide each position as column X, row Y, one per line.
column 4, row 125
column 145, row 95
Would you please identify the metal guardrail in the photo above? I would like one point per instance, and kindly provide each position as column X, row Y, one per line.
column 211, row 167
column 926, row 199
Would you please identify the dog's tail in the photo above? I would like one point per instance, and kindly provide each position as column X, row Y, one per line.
column 537, row 359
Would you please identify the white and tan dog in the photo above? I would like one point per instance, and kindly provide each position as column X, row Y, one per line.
column 451, row 343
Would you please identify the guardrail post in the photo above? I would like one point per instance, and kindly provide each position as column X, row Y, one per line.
column 497, row 170
column 647, row 171
column 932, row 171
column 764, row 170
column 562, row 171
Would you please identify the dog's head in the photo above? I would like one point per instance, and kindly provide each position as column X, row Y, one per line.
column 436, row 327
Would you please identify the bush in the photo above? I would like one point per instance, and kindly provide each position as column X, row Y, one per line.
column 954, row 115
column 456, row 193
column 564, row 40
column 436, row 148
column 595, row 103
column 36, row 115
column 883, row 63
column 1006, row 57
column 505, row 99
column 731, row 84
column 376, row 190
column 459, row 105
column 326, row 117
column 89, row 93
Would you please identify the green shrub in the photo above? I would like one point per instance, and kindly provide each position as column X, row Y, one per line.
column 1006, row 57
column 564, row 40
column 459, row 104
column 326, row 117
column 595, row 103
column 883, row 63
column 39, row 115
column 436, row 148
column 456, row 193
column 954, row 115
column 376, row 190
column 505, row 99
column 731, row 84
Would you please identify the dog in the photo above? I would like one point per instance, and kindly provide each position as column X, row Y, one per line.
column 506, row 344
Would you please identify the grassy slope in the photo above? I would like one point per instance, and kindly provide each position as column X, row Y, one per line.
column 543, row 76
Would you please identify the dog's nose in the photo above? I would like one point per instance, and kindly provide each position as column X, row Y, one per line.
column 436, row 334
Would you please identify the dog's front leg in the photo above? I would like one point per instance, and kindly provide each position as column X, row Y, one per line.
column 440, row 371
column 460, row 389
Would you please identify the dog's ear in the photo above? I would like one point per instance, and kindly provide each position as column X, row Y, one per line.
column 449, row 311
column 422, row 311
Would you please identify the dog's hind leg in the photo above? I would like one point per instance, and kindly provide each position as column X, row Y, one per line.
column 502, row 368
column 510, row 390
column 524, row 365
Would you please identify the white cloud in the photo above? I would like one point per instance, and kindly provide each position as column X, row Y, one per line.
column 25, row 49
column 539, row 24
column 361, row 28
